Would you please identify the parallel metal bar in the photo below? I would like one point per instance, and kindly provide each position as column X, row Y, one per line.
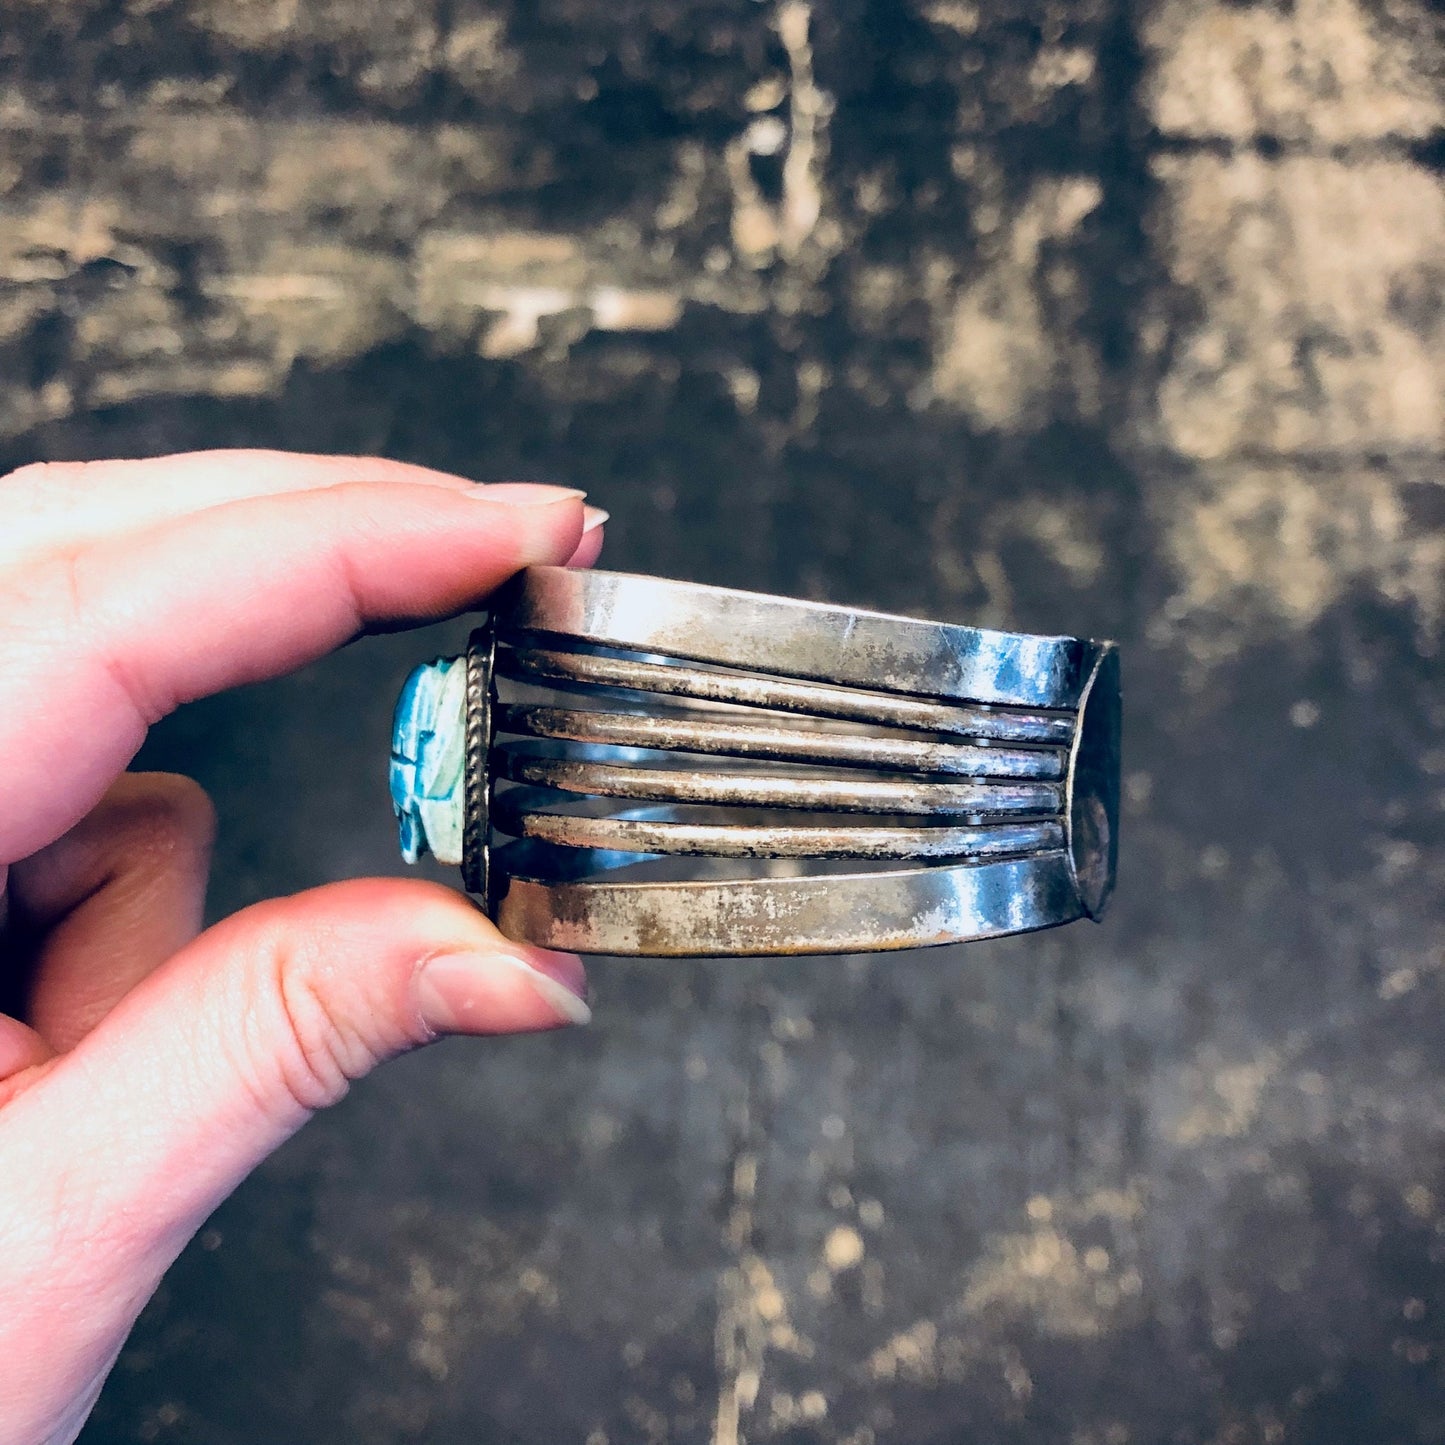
column 784, row 744
column 528, row 663
column 768, row 790
column 521, row 817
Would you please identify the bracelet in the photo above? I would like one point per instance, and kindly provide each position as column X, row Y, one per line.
column 686, row 770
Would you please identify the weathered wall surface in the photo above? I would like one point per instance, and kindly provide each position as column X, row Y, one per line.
column 1115, row 317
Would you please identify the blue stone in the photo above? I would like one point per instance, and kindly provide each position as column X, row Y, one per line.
column 428, row 759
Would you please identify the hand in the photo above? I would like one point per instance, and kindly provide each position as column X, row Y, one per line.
column 149, row 1068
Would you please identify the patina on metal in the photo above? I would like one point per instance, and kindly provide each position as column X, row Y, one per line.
column 836, row 780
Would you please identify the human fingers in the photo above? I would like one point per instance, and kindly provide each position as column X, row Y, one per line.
column 98, row 645
column 49, row 505
column 117, row 1151
column 100, row 908
column 110, row 901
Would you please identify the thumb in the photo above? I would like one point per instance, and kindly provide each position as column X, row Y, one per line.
column 118, row 1150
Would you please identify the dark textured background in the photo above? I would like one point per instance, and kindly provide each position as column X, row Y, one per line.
column 1106, row 316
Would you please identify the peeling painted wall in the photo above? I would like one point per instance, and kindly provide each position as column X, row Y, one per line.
column 1115, row 317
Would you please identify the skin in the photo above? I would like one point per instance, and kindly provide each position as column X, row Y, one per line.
column 148, row 1065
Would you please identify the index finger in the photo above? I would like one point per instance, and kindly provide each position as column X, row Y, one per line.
column 99, row 644
column 60, row 505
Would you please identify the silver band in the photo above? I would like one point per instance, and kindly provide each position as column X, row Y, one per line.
column 790, row 638
column 764, row 728
column 833, row 913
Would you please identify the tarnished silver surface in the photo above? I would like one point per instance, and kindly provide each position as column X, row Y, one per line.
column 832, row 913
column 792, row 638
column 860, row 794
column 672, row 733
column 535, row 813
column 610, row 676
column 841, row 780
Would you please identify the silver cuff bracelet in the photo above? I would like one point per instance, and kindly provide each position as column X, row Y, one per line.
column 687, row 770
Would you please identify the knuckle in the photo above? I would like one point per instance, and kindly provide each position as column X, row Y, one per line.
column 316, row 1011
column 310, row 1064
column 315, row 1051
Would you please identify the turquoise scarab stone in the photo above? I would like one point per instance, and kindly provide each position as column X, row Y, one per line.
column 428, row 755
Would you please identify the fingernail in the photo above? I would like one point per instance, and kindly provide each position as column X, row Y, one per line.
column 489, row 993
column 593, row 518
column 526, row 494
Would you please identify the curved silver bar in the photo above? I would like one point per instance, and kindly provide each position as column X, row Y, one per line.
column 672, row 733
column 791, row 638
column 774, row 790
column 535, row 813
column 827, row 913
column 593, row 672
